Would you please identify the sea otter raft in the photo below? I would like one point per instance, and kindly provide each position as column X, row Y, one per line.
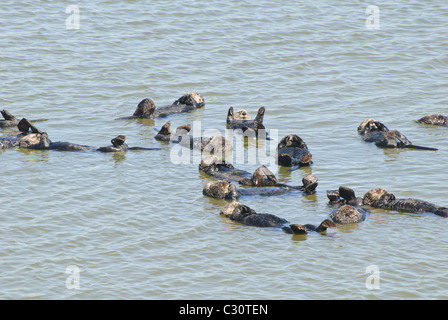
column 375, row 131
column 146, row 109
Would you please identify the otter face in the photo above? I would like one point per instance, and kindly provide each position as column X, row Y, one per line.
column 220, row 190
column 378, row 194
column 242, row 115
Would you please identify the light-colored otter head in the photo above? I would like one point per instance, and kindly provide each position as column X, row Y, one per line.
column 378, row 194
column 35, row 140
column 242, row 115
column 191, row 99
column 348, row 214
column 221, row 189
column 236, row 211
column 369, row 125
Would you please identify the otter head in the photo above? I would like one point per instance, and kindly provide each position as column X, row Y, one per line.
column 221, row 189
column 212, row 163
column 378, row 194
column 369, row 125
column 310, row 183
column 192, row 99
column 292, row 141
column 118, row 141
column 242, row 115
column 264, row 177
column 35, row 141
column 145, row 109
column 348, row 214
column 236, row 211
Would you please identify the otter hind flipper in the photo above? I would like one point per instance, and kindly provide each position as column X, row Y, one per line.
column 420, row 147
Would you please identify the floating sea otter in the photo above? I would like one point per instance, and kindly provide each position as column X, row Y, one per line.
column 30, row 137
column 224, row 189
column 377, row 132
column 215, row 144
column 380, row 198
column 240, row 213
column 434, row 119
column 146, row 109
column 11, row 121
column 292, row 151
column 242, row 121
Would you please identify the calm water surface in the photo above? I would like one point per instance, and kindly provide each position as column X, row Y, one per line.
column 137, row 225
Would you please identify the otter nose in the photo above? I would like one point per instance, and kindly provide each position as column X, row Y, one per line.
column 244, row 113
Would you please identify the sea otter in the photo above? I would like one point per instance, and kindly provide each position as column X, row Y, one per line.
column 240, row 213
column 146, row 109
column 434, row 119
column 377, row 132
column 30, row 137
column 380, row 198
column 292, row 151
column 11, row 121
column 242, row 121
column 224, row 189
column 215, row 144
